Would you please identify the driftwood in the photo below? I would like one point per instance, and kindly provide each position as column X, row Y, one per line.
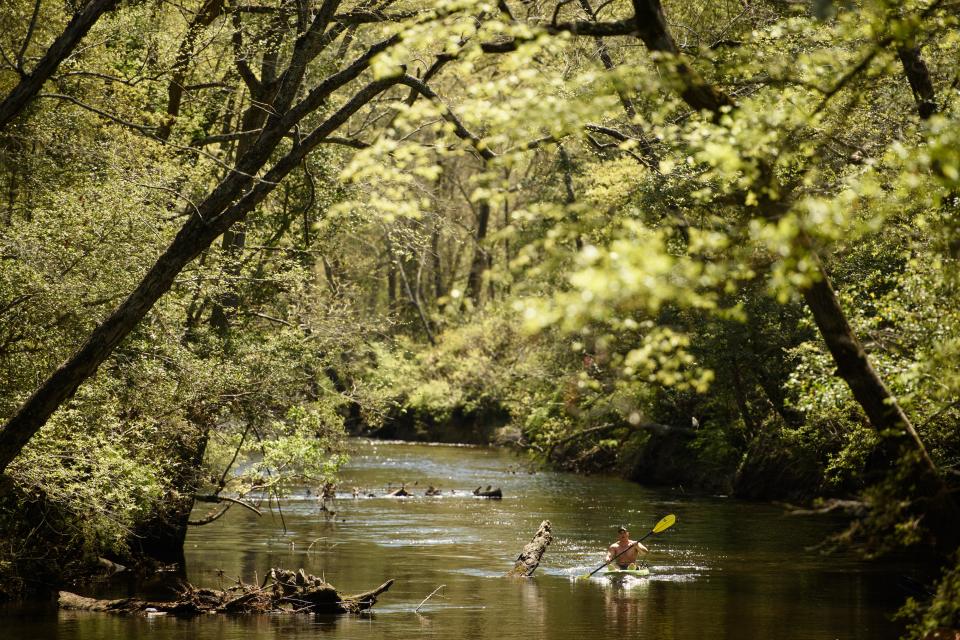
column 496, row 494
column 529, row 559
column 854, row 508
column 282, row 591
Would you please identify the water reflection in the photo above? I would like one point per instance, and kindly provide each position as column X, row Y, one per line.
column 625, row 604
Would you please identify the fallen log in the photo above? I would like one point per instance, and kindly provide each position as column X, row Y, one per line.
column 495, row 494
column 529, row 559
column 282, row 592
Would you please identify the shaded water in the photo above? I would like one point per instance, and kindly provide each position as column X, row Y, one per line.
column 727, row 569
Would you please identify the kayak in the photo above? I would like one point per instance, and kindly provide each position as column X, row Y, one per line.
column 622, row 573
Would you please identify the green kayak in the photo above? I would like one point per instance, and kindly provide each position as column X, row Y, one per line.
column 620, row 573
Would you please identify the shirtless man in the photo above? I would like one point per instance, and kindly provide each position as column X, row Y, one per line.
column 623, row 542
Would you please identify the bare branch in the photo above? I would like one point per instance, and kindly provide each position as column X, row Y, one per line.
column 218, row 498
column 28, row 37
column 142, row 128
column 213, row 517
column 373, row 16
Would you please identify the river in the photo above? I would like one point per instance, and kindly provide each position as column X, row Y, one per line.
column 726, row 569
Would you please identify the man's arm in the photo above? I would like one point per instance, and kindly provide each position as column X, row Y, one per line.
column 611, row 552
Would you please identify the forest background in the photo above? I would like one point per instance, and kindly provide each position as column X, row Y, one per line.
column 711, row 244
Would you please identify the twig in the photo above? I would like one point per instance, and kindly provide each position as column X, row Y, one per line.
column 417, row 610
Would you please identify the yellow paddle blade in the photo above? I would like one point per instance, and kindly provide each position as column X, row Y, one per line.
column 665, row 523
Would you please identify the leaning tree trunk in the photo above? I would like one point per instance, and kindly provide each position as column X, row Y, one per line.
column 31, row 83
column 869, row 390
column 232, row 199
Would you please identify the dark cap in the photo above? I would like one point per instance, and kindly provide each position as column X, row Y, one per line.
column 621, row 528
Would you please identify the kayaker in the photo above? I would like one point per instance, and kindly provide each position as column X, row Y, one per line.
column 632, row 547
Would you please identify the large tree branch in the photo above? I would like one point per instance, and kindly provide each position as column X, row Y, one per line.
column 319, row 94
column 217, row 498
column 306, row 48
column 459, row 129
column 625, row 27
column 31, row 83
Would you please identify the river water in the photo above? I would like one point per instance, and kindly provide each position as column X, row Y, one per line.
column 726, row 569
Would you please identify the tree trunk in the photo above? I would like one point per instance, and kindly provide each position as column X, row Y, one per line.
column 209, row 12
column 412, row 294
column 31, row 83
column 653, row 30
column 235, row 238
column 920, row 83
column 436, row 263
column 881, row 407
column 480, row 256
column 740, row 395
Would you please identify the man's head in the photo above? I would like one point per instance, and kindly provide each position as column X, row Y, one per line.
column 622, row 533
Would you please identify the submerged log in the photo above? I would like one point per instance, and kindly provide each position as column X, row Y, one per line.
column 529, row 559
column 282, row 592
column 495, row 494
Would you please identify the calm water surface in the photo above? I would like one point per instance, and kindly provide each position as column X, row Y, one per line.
column 727, row 569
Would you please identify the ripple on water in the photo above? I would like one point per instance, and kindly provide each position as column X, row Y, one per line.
column 478, row 573
column 428, row 542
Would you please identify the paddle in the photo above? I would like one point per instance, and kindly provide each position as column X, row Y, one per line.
column 665, row 523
